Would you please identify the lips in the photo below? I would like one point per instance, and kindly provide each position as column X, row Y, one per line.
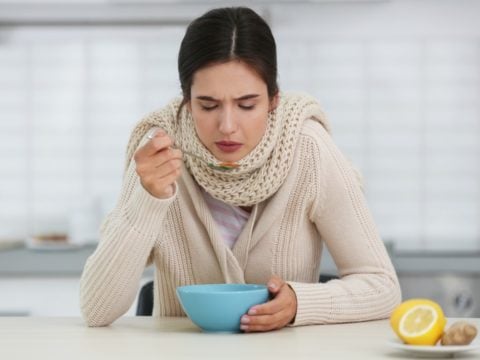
column 228, row 146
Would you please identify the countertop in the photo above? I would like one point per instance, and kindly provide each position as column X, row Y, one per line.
column 178, row 338
column 22, row 261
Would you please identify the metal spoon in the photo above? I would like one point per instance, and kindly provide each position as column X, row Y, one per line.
column 222, row 166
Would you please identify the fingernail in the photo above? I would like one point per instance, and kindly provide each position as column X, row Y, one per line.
column 244, row 320
column 243, row 327
column 272, row 286
column 252, row 311
column 155, row 132
column 151, row 134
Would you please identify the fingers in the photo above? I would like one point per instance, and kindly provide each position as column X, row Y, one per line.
column 169, row 158
column 158, row 165
column 161, row 188
column 159, row 140
column 274, row 284
column 274, row 314
column 264, row 322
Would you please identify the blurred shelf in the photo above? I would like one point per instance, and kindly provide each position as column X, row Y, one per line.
column 22, row 261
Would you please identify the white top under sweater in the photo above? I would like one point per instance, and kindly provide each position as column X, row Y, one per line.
column 229, row 218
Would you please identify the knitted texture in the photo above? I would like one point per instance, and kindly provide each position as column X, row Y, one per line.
column 261, row 172
column 319, row 204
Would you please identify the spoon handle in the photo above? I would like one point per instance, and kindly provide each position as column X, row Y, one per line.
column 220, row 166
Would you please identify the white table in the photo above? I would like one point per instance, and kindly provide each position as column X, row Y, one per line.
column 177, row 338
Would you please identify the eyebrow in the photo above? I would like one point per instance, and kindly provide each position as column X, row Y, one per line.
column 244, row 97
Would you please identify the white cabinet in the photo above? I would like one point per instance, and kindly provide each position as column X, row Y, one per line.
column 45, row 283
column 42, row 296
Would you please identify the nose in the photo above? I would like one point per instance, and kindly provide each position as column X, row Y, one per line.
column 227, row 123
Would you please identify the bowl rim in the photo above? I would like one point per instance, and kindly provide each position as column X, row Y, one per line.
column 248, row 288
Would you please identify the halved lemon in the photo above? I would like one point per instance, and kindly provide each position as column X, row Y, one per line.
column 418, row 322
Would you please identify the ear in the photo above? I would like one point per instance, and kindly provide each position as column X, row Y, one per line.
column 274, row 102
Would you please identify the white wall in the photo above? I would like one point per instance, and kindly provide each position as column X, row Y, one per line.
column 382, row 19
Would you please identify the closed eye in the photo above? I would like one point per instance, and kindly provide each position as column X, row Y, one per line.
column 246, row 107
column 208, row 108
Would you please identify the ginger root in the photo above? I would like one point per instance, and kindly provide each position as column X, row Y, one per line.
column 460, row 333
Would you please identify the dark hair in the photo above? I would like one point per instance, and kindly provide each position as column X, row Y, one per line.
column 225, row 34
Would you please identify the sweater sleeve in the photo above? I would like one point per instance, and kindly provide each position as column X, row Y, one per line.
column 368, row 287
column 112, row 274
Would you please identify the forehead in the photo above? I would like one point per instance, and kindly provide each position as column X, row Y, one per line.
column 233, row 78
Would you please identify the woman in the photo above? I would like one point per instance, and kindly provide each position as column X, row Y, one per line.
column 264, row 221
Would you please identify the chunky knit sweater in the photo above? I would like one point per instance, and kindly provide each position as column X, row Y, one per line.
column 319, row 204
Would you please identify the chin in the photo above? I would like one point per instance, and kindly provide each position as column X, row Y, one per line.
column 230, row 157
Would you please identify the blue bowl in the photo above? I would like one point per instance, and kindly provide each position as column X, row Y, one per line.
column 219, row 307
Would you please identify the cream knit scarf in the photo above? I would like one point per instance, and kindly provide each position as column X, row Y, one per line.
column 261, row 172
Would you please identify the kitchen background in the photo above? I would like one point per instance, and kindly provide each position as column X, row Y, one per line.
column 398, row 79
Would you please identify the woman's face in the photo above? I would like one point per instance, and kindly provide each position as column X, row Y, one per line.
column 229, row 105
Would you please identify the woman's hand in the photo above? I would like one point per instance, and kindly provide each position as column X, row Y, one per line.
column 275, row 314
column 158, row 166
